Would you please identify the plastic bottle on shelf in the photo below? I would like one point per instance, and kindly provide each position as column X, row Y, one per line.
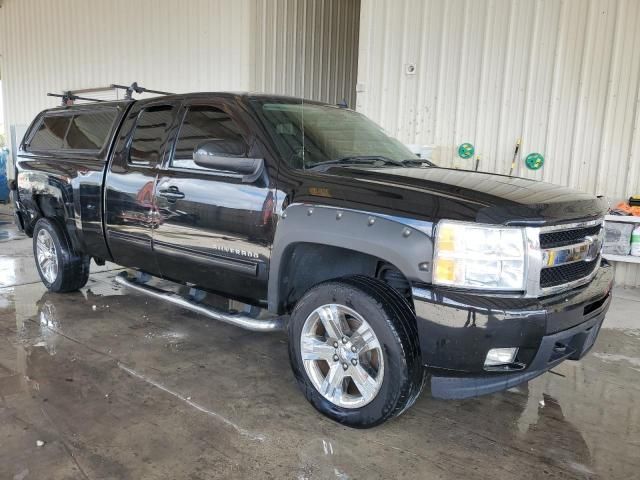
column 635, row 242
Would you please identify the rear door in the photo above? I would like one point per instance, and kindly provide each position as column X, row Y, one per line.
column 214, row 229
column 130, row 213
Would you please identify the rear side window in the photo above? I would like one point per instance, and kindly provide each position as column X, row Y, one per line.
column 150, row 135
column 90, row 130
column 51, row 133
column 205, row 124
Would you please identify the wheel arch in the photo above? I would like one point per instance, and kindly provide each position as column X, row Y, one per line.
column 45, row 195
column 318, row 243
column 53, row 208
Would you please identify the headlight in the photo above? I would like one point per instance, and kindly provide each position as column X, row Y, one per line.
column 470, row 255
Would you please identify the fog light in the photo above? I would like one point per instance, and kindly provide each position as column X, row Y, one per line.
column 500, row 356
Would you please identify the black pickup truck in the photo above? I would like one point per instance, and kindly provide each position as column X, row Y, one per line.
column 384, row 269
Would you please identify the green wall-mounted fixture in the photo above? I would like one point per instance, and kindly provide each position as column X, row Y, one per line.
column 534, row 161
column 466, row 150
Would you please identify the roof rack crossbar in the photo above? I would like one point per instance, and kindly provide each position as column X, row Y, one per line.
column 69, row 96
column 134, row 87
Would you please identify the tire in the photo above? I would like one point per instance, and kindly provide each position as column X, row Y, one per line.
column 72, row 269
column 392, row 321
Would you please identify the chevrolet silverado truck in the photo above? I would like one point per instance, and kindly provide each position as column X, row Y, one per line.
column 385, row 270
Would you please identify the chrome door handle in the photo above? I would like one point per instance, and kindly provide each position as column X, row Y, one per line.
column 171, row 192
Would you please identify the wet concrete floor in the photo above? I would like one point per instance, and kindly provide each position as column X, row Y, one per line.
column 118, row 386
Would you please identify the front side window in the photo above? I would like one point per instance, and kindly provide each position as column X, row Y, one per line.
column 51, row 133
column 150, row 135
column 206, row 124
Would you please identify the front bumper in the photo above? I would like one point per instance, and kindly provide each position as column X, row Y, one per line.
column 457, row 329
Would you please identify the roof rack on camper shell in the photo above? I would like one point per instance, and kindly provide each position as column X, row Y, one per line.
column 134, row 87
column 70, row 96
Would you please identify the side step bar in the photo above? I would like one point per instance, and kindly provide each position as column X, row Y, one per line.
column 237, row 319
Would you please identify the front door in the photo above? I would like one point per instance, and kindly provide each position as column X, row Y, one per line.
column 214, row 228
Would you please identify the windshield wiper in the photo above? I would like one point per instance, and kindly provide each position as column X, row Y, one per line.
column 419, row 162
column 360, row 159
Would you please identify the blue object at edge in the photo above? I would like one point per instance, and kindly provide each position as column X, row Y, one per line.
column 4, row 187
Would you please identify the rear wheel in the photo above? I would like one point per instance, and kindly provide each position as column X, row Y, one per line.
column 60, row 268
column 354, row 350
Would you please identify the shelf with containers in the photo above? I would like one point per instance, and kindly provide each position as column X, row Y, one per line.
column 634, row 220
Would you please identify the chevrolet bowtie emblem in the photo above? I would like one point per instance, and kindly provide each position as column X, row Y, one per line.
column 586, row 251
column 594, row 244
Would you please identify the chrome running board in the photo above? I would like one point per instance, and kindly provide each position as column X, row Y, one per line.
column 237, row 319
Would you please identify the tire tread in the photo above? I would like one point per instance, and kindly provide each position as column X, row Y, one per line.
column 407, row 333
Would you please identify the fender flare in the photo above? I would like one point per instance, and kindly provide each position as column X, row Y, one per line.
column 403, row 242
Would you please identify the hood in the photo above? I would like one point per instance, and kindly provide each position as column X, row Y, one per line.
column 437, row 193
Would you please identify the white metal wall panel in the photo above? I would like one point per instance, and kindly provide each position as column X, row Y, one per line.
column 50, row 46
column 563, row 75
column 307, row 48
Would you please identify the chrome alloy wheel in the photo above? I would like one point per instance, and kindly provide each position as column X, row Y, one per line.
column 342, row 356
column 47, row 257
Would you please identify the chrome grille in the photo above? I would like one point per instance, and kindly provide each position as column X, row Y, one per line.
column 569, row 272
column 570, row 254
column 559, row 238
column 561, row 257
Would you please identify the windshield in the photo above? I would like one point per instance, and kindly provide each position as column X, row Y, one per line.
column 331, row 135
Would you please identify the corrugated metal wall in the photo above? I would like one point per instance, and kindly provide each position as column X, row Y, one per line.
column 563, row 75
column 295, row 47
column 307, row 48
column 49, row 46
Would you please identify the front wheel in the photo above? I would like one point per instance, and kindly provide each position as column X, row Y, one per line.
column 61, row 269
column 353, row 347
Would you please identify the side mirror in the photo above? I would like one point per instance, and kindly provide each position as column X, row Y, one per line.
column 228, row 157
